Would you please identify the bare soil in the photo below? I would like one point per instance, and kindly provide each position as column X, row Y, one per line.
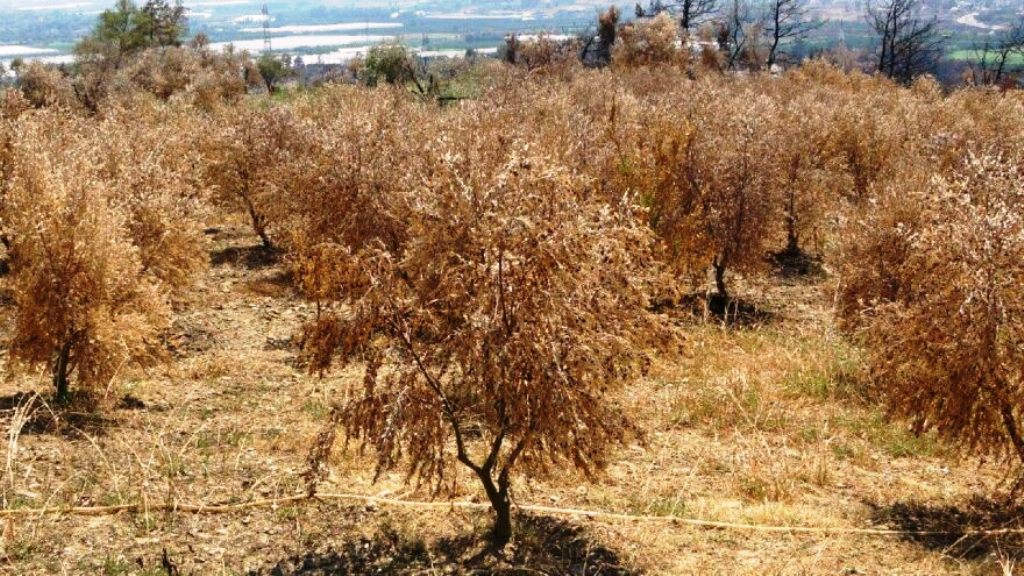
column 768, row 423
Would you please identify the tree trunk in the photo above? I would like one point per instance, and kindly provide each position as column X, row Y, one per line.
column 776, row 16
column 60, row 373
column 268, row 244
column 792, row 238
column 1011, row 429
column 1003, row 57
column 720, row 279
column 501, row 532
column 258, row 224
column 792, row 242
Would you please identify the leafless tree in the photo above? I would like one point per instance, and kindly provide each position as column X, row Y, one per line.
column 995, row 55
column 692, row 13
column 732, row 32
column 786, row 20
column 909, row 41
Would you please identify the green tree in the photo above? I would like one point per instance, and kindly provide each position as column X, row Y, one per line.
column 162, row 23
column 274, row 69
column 391, row 63
column 126, row 28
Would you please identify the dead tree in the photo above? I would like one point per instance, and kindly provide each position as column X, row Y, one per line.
column 732, row 33
column 995, row 55
column 787, row 20
column 693, row 13
column 909, row 43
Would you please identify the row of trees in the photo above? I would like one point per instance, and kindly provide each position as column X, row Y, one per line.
column 908, row 39
column 492, row 265
column 135, row 47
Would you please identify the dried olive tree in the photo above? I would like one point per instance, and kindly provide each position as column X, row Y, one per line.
column 944, row 319
column 710, row 193
column 800, row 170
column 85, row 306
column 499, row 337
column 149, row 160
column 644, row 43
column 249, row 162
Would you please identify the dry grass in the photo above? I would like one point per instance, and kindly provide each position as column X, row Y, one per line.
column 770, row 424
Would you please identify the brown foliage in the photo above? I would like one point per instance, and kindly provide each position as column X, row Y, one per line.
column 100, row 218
column 150, row 162
column 47, row 86
column 936, row 295
column 197, row 75
column 491, row 261
column 647, row 42
column 85, row 306
column 250, row 160
column 496, row 337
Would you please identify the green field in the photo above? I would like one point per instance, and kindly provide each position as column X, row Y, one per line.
column 964, row 55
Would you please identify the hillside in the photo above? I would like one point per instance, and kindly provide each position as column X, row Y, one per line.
column 639, row 305
column 757, row 425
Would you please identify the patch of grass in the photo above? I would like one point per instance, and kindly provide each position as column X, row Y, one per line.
column 206, row 440
column 110, row 499
column 116, row 567
column 16, row 501
column 761, row 485
column 316, row 409
column 734, row 402
column 971, row 55
column 824, row 369
column 843, row 451
column 145, row 523
column 19, row 549
column 271, row 433
column 810, row 435
column 658, row 506
column 889, row 437
column 288, row 513
column 120, row 566
column 467, row 84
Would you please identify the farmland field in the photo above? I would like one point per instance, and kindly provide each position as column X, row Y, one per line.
column 763, row 426
column 661, row 298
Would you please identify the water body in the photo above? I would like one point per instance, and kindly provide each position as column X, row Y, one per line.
column 300, row 41
column 971, row 20
column 313, row 28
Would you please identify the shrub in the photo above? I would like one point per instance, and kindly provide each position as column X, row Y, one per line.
column 647, row 42
column 711, row 198
column 942, row 318
column 150, row 163
column 197, row 73
column 800, row 171
column 347, row 190
column 274, row 69
column 249, row 162
column 389, row 63
column 496, row 339
column 85, row 304
column 46, row 86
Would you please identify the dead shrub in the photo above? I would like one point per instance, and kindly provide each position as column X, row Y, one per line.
column 937, row 302
column 494, row 339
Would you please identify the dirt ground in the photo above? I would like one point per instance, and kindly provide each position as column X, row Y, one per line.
column 768, row 424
